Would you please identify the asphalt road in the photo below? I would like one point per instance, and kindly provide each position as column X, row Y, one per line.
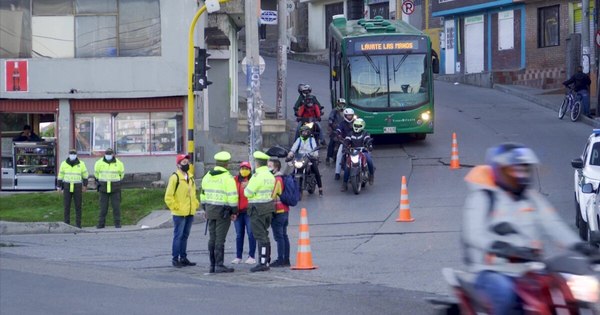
column 368, row 263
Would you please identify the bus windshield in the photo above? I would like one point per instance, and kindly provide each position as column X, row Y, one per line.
column 397, row 81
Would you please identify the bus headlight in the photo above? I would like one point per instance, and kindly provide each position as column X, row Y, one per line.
column 426, row 116
column 584, row 288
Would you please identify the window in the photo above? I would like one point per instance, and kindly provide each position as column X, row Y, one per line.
column 506, row 30
column 548, row 26
column 79, row 28
column 129, row 133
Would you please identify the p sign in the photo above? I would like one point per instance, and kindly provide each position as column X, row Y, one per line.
column 408, row 7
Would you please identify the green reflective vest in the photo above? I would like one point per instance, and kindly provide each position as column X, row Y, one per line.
column 72, row 174
column 260, row 187
column 109, row 172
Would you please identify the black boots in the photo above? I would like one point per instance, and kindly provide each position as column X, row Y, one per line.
column 264, row 259
column 211, row 254
column 219, row 257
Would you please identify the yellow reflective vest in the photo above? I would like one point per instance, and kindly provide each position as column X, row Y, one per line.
column 109, row 174
column 73, row 173
column 218, row 190
column 260, row 187
column 181, row 199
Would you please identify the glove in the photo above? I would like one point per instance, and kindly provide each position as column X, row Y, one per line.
column 586, row 249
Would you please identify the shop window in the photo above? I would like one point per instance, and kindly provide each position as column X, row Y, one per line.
column 129, row 133
column 548, row 26
column 79, row 28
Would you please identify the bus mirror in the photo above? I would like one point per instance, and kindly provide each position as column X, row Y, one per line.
column 334, row 73
column 435, row 65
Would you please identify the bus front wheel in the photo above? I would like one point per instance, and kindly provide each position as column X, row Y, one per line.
column 420, row 136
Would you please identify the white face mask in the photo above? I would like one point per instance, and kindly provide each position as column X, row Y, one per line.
column 108, row 157
column 72, row 157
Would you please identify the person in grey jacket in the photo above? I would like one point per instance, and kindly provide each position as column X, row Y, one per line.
column 306, row 144
column 500, row 192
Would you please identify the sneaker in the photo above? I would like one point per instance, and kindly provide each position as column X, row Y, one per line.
column 337, row 176
column 236, row 261
column 185, row 262
column 250, row 261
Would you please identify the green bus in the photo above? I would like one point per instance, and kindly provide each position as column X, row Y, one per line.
column 384, row 69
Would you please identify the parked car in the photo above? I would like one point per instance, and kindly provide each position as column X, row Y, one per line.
column 586, row 179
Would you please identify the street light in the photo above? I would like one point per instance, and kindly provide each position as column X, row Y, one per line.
column 210, row 6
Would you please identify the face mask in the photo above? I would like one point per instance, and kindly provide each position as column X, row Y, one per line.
column 244, row 173
column 185, row 167
column 108, row 157
column 72, row 157
column 270, row 169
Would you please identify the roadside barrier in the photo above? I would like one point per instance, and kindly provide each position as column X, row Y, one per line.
column 304, row 254
column 454, row 161
column 404, row 213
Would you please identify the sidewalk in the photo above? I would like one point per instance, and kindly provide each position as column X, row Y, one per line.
column 551, row 99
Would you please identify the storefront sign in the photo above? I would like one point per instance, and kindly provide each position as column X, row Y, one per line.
column 16, row 78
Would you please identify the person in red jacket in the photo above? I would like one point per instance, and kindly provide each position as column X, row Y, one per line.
column 309, row 111
column 242, row 222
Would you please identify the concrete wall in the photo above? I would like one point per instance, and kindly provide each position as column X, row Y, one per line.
column 117, row 77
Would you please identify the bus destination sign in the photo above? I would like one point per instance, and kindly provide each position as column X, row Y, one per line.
column 369, row 46
column 388, row 46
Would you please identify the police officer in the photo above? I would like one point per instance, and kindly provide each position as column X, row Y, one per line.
column 72, row 179
column 261, row 208
column 109, row 172
column 220, row 198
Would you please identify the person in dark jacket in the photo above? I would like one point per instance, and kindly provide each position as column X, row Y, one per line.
column 581, row 84
column 27, row 135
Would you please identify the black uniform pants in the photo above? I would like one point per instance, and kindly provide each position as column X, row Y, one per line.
column 217, row 230
column 67, row 197
column 115, row 201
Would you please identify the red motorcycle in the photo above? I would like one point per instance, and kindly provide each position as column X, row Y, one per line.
column 356, row 163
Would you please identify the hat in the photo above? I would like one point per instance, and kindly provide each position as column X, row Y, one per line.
column 259, row 155
column 109, row 151
column 223, row 156
column 72, row 151
column 245, row 164
column 181, row 157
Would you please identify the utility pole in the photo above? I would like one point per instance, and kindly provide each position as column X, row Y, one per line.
column 585, row 35
column 281, row 107
column 254, row 101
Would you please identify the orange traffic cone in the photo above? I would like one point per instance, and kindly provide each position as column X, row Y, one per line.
column 304, row 255
column 454, row 162
column 404, row 214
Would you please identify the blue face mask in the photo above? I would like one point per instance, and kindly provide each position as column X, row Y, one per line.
column 108, row 157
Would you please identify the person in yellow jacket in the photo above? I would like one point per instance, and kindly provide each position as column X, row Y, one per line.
column 109, row 172
column 220, row 198
column 261, row 207
column 180, row 198
column 72, row 180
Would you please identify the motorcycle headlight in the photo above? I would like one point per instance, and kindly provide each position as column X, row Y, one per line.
column 584, row 288
column 298, row 164
column 354, row 158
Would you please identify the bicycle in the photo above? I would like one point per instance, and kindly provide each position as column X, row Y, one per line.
column 572, row 103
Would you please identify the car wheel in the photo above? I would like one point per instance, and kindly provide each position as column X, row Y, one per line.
column 583, row 229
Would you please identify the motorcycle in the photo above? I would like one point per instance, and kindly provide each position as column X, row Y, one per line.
column 356, row 162
column 565, row 284
column 303, row 175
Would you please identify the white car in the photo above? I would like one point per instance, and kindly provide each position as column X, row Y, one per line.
column 587, row 191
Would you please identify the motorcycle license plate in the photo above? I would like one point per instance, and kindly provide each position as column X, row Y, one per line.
column 389, row 129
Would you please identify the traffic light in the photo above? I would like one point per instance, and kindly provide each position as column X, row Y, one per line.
column 200, row 68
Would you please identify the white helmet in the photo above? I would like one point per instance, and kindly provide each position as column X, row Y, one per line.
column 348, row 112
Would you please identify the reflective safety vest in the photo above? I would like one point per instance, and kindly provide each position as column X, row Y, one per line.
column 260, row 187
column 219, row 188
column 72, row 174
column 109, row 172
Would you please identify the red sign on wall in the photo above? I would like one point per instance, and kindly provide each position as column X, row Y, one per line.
column 16, row 78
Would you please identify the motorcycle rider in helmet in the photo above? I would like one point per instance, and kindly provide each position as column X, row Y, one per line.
column 501, row 192
column 310, row 112
column 342, row 130
column 335, row 118
column 305, row 93
column 306, row 144
column 359, row 138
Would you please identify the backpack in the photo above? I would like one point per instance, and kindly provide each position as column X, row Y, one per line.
column 290, row 194
column 177, row 183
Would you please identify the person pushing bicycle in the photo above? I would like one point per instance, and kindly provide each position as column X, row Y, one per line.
column 581, row 83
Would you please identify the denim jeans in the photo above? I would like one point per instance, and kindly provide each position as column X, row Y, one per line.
column 369, row 166
column 499, row 289
column 279, row 225
column 242, row 224
column 585, row 101
column 182, row 227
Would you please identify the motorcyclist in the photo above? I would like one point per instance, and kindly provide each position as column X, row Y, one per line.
column 500, row 192
column 305, row 93
column 306, row 144
column 342, row 130
column 359, row 138
column 310, row 111
column 335, row 118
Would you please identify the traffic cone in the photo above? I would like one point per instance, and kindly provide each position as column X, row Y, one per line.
column 454, row 162
column 304, row 255
column 404, row 214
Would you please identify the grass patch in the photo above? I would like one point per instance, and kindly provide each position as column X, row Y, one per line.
column 48, row 206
